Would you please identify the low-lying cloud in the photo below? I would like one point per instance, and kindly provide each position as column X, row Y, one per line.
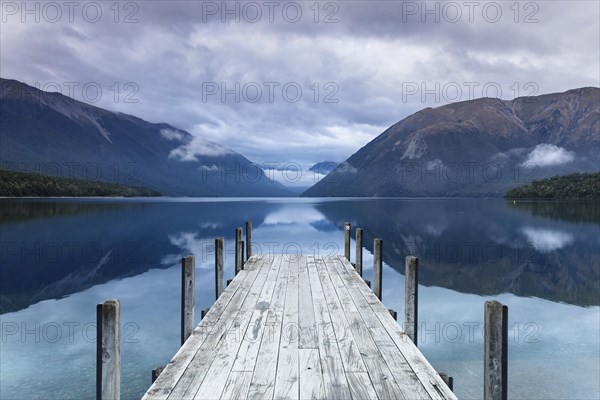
column 548, row 155
column 171, row 134
column 199, row 147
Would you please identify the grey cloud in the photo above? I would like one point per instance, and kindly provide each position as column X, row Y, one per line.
column 170, row 54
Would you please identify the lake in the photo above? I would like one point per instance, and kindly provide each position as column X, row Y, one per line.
column 61, row 257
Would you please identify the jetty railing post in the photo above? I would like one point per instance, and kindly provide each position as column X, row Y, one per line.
column 359, row 250
column 495, row 351
column 219, row 245
column 248, row 239
column 347, row 230
column 157, row 371
column 239, row 262
column 411, row 298
column 187, row 297
column 238, row 250
column 377, row 266
column 108, row 350
column 448, row 380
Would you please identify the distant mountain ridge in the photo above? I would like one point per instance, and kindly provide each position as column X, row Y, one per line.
column 72, row 139
column 324, row 167
column 475, row 148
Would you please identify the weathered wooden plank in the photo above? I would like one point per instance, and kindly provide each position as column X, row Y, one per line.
column 429, row 379
column 349, row 351
column 287, row 374
column 194, row 375
column 361, row 387
column 405, row 377
column 362, row 305
column 173, row 372
column 311, row 376
column 252, row 334
column 368, row 299
column 254, row 264
column 383, row 381
column 237, row 385
column 262, row 385
column 334, row 379
column 286, row 381
column 306, row 312
column 230, row 343
column 402, row 372
column 216, row 378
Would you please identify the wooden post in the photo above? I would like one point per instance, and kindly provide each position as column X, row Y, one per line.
column 359, row 248
column 239, row 262
column 495, row 351
column 248, row 239
column 377, row 265
column 187, row 297
column 393, row 313
column 448, row 380
column 157, row 371
column 219, row 244
column 411, row 298
column 347, row 240
column 108, row 350
column 238, row 250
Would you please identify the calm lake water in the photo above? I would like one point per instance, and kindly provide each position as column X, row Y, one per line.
column 59, row 258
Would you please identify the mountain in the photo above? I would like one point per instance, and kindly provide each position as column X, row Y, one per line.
column 324, row 167
column 52, row 134
column 475, row 148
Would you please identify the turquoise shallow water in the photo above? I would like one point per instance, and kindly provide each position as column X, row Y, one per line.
column 61, row 257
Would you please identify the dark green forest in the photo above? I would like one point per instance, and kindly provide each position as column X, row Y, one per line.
column 20, row 184
column 573, row 186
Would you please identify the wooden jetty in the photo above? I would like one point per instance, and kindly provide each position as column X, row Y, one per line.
column 299, row 327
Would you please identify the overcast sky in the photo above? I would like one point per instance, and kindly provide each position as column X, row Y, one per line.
column 313, row 83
